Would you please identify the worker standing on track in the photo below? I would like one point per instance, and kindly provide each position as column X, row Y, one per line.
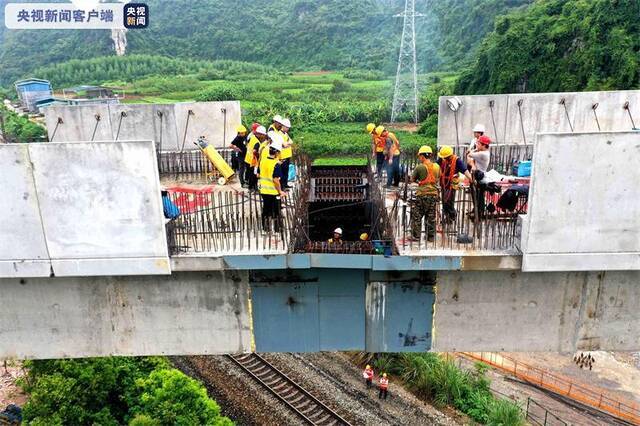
column 450, row 168
column 287, row 153
column 239, row 147
column 383, row 385
column 391, row 155
column 270, row 173
column 368, row 376
column 252, row 156
column 426, row 175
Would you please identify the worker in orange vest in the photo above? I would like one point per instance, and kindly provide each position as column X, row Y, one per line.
column 391, row 154
column 368, row 376
column 427, row 176
column 383, row 386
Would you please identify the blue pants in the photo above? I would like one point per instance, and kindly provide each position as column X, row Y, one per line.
column 379, row 163
column 393, row 171
column 284, row 180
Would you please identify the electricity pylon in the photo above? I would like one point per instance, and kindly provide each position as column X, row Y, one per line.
column 405, row 95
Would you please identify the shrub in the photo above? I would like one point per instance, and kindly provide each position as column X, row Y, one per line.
column 222, row 92
column 340, row 86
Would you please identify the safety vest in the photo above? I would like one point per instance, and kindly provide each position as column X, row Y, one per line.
column 431, row 176
column 249, row 158
column 428, row 185
column 384, row 383
column 395, row 146
column 380, row 143
column 449, row 174
column 266, row 183
column 288, row 151
column 368, row 373
column 263, row 151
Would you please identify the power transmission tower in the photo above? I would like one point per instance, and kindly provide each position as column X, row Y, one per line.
column 405, row 95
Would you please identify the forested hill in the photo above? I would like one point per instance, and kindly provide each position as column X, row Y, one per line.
column 560, row 45
column 287, row 34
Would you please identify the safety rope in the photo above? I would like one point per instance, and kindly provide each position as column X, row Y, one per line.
column 186, row 127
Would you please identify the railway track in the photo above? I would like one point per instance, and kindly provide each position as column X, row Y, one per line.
column 308, row 407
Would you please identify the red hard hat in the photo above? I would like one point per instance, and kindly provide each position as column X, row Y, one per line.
column 485, row 140
column 254, row 126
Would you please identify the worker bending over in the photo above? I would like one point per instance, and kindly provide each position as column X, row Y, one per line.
column 391, row 155
column 426, row 175
column 252, row 156
column 368, row 376
column 450, row 168
column 377, row 148
column 239, row 147
column 270, row 173
column 383, row 385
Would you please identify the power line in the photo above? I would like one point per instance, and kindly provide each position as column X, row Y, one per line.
column 405, row 95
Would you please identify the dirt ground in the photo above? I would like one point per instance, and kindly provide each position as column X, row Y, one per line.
column 10, row 393
column 617, row 373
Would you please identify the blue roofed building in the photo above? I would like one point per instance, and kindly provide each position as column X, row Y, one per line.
column 32, row 90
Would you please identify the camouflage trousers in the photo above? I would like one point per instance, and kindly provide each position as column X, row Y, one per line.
column 424, row 206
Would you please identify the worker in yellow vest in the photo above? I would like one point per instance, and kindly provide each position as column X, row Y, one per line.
column 270, row 174
column 287, row 152
column 391, row 155
column 427, row 176
column 377, row 148
column 251, row 157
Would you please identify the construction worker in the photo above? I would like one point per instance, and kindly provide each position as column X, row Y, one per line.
column 239, row 147
column 287, row 152
column 450, row 168
column 337, row 236
column 270, row 173
column 276, row 123
column 478, row 130
column 478, row 161
column 426, row 175
column 383, row 385
column 368, row 376
column 391, row 155
column 251, row 157
column 377, row 148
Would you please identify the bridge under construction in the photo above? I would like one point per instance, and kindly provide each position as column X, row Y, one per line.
column 91, row 267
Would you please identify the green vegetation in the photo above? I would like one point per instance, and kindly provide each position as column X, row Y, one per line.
column 560, row 45
column 115, row 391
column 298, row 35
column 435, row 378
column 19, row 129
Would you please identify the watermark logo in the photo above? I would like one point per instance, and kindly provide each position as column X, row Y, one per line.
column 78, row 15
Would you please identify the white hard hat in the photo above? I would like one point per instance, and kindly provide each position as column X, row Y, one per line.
column 479, row 128
column 276, row 141
column 338, row 231
column 286, row 123
column 277, row 118
column 261, row 130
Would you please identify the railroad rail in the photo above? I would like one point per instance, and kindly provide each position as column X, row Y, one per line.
column 308, row 407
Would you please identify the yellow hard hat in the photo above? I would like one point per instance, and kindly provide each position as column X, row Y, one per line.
column 241, row 129
column 371, row 127
column 379, row 130
column 445, row 151
column 425, row 149
column 364, row 236
column 384, row 374
column 368, row 366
